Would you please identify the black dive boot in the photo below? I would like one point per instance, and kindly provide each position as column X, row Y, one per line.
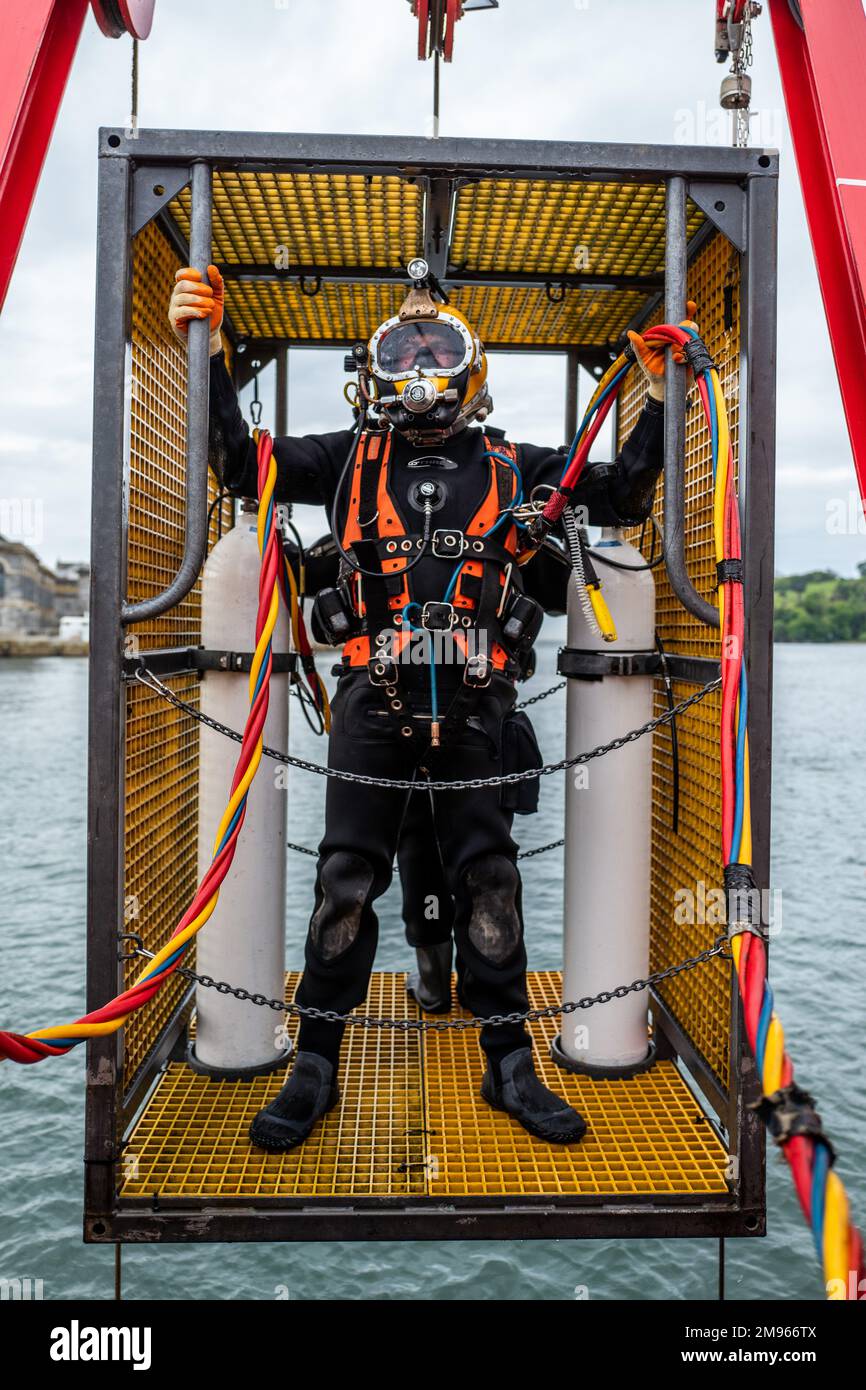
column 430, row 984
column 307, row 1095
column 511, row 1084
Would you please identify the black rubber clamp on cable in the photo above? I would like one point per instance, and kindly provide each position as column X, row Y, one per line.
column 629, row 353
column 698, row 356
column 790, row 1113
column 743, row 902
column 729, row 572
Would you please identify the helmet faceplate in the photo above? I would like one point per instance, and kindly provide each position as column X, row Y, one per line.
column 431, row 374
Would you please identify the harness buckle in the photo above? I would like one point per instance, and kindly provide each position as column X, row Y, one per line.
column 478, row 671
column 382, row 671
column 448, row 544
column 438, row 617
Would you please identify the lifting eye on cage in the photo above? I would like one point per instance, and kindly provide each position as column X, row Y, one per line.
column 555, row 293
column 137, row 943
column 310, row 285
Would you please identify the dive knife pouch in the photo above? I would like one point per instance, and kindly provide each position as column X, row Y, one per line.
column 520, row 753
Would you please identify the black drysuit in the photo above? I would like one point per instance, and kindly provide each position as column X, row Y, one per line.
column 362, row 823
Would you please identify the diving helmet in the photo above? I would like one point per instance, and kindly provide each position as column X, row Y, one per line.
column 428, row 365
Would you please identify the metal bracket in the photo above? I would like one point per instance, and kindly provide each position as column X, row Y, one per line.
column 153, row 188
column 593, row 665
column 725, row 206
column 174, row 661
column 437, row 224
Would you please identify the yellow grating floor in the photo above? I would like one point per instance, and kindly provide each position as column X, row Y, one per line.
column 411, row 1126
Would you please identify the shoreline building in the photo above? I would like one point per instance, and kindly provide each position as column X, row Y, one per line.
column 34, row 599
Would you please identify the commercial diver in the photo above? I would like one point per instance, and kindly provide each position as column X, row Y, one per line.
column 421, row 504
column 427, row 906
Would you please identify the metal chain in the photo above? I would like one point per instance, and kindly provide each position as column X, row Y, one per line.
column 542, row 849
column 147, row 678
column 524, row 853
column 440, row 1025
column 534, row 699
column 742, row 61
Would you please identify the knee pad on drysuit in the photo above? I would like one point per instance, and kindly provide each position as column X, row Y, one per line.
column 493, row 886
column 342, row 893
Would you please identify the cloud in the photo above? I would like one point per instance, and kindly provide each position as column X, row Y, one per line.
column 588, row 72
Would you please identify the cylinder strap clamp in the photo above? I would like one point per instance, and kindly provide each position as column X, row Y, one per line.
column 592, row 665
column 205, row 659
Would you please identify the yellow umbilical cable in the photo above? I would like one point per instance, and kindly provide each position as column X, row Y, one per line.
column 170, row 949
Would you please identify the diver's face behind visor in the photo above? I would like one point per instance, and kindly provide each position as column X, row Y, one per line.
column 412, row 347
column 430, row 372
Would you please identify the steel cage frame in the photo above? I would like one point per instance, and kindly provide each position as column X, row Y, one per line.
column 129, row 165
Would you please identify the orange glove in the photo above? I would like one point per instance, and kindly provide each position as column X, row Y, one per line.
column 651, row 358
column 193, row 299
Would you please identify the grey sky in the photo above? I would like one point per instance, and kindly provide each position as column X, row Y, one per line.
column 552, row 69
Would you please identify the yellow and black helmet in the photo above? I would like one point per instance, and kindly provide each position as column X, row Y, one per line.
column 429, row 366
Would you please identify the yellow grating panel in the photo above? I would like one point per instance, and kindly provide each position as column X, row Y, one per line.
column 558, row 227
column 192, row 1139
column 526, row 316
column 501, row 315
column 157, row 465
column 160, row 842
column 161, row 770
column 648, row 1137
column 339, row 312
column 312, row 219
column 691, row 860
column 340, row 220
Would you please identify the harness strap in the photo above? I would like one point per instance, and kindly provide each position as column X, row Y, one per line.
column 377, row 534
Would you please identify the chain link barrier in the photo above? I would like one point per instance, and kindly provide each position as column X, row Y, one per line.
column 535, row 699
column 147, row 678
column 443, row 1025
column 152, row 682
column 524, row 853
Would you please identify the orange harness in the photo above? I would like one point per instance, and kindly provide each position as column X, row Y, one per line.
column 374, row 523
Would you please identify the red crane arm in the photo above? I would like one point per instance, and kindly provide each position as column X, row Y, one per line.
column 821, row 49
column 39, row 43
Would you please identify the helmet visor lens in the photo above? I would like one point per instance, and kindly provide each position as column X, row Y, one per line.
column 428, row 346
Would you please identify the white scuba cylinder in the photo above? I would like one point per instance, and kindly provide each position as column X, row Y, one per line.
column 244, row 941
column 608, row 804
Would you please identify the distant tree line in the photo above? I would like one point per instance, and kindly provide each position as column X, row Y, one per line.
column 820, row 607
